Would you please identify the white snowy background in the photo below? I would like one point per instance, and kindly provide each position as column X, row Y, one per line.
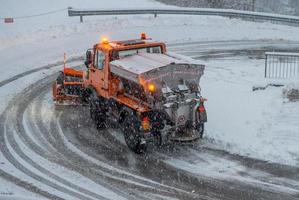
column 259, row 124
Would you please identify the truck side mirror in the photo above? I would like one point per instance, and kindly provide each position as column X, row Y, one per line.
column 88, row 59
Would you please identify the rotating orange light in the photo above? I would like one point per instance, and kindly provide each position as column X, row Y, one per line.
column 151, row 87
column 143, row 36
column 105, row 41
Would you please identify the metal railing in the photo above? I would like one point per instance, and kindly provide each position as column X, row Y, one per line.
column 248, row 15
column 281, row 65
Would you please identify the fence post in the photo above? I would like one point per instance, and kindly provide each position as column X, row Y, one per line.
column 281, row 65
column 81, row 18
column 266, row 63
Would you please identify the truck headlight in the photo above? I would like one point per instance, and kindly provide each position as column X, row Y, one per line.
column 151, row 87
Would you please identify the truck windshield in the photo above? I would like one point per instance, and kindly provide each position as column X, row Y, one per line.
column 131, row 52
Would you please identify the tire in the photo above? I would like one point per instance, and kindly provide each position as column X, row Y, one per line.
column 85, row 95
column 60, row 78
column 97, row 111
column 92, row 110
column 132, row 135
column 158, row 138
column 200, row 128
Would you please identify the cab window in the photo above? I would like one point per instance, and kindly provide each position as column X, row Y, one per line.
column 99, row 60
column 131, row 52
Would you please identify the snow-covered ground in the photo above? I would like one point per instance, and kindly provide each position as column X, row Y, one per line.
column 10, row 191
column 22, row 50
column 261, row 124
column 29, row 50
column 258, row 124
column 27, row 27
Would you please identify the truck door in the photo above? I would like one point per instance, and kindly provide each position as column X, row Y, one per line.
column 97, row 72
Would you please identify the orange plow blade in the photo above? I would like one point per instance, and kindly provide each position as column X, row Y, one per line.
column 68, row 87
column 72, row 72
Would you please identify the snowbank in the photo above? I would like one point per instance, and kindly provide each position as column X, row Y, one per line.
column 291, row 91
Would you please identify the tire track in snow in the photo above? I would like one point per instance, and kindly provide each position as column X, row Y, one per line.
column 28, row 186
column 173, row 171
column 271, row 194
column 11, row 140
column 221, row 165
column 59, row 145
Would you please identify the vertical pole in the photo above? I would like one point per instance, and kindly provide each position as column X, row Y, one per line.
column 277, row 65
column 266, row 63
column 253, row 5
column 271, row 69
column 277, row 68
column 291, row 67
column 81, row 18
column 285, row 66
column 282, row 72
column 64, row 64
column 155, row 15
column 279, row 72
column 64, row 60
column 294, row 66
column 286, row 71
column 274, row 65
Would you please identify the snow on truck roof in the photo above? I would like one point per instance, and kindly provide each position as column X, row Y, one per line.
column 144, row 62
column 132, row 66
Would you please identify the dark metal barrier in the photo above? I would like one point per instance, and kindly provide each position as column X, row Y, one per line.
column 281, row 65
column 247, row 15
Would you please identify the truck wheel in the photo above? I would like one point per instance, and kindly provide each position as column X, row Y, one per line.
column 60, row 78
column 92, row 110
column 158, row 138
column 132, row 134
column 85, row 94
column 200, row 128
column 97, row 113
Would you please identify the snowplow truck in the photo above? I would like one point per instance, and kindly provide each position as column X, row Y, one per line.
column 153, row 95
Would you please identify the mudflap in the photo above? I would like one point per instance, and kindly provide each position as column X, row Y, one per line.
column 185, row 136
column 189, row 133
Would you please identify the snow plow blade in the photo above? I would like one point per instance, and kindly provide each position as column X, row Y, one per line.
column 67, row 88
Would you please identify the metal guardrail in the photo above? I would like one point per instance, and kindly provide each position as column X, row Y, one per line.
column 281, row 65
column 255, row 16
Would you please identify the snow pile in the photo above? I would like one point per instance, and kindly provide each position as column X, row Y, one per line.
column 291, row 91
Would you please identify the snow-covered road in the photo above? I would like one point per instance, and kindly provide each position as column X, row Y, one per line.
column 250, row 147
column 55, row 153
